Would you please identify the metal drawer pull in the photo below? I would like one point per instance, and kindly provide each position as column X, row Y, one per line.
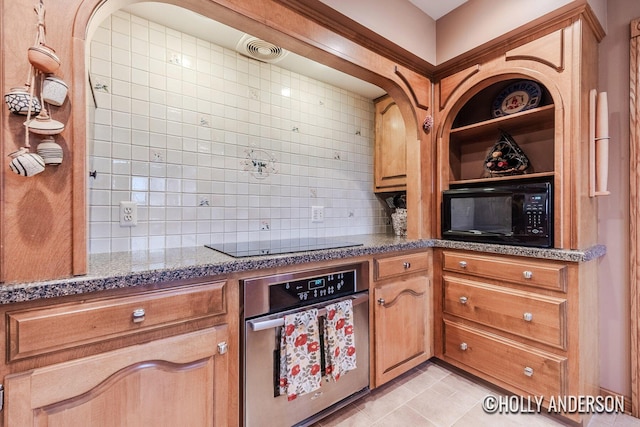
column 527, row 274
column 138, row 315
column 463, row 300
column 528, row 371
column 406, row 265
column 463, row 346
column 463, row 264
column 528, row 317
column 381, row 301
column 222, row 347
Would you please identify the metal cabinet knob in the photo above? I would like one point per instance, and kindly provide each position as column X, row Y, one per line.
column 381, row 301
column 406, row 265
column 138, row 315
column 463, row 346
column 222, row 347
column 463, row 300
column 528, row 371
column 463, row 264
column 527, row 274
column 528, row 317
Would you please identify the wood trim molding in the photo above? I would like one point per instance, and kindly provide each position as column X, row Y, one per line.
column 634, row 211
column 533, row 30
column 627, row 400
column 344, row 26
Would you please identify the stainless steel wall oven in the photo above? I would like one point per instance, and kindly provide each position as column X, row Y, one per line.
column 266, row 301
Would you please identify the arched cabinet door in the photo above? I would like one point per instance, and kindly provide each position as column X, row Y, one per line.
column 402, row 314
column 391, row 148
column 180, row 380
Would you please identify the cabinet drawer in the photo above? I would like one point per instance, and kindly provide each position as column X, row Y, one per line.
column 42, row 330
column 526, row 272
column 402, row 264
column 533, row 316
column 526, row 368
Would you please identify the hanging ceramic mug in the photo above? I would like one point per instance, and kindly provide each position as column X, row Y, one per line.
column 25, row 163
column 54, row 91
column 50, row 151
column 17, row 99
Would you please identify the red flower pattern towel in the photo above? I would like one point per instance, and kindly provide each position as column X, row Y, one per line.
column 339, row 340
column 300, row 354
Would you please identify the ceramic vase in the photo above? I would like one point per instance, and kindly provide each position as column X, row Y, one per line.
column 43, row 58
column 50, row 151
column 17, row 99
column 43, row 124
column 54, row 91
column 25, row 163
column 399, row 222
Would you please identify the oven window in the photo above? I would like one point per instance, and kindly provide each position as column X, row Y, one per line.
column 489, row 214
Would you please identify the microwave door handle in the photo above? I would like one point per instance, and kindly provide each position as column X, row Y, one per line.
column 261, row 325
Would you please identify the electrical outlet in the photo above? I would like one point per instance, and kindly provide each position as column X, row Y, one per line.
column 317, row 213
column 128, row 214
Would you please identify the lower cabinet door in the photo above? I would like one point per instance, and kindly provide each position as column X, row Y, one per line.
column 402, row 332
column 180, row 380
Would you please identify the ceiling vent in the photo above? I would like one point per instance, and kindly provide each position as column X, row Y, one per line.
column 260, row 50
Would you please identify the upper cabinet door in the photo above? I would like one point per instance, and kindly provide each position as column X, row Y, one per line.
column 390, row 163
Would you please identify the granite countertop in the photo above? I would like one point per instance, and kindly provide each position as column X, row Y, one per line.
column 130, row 269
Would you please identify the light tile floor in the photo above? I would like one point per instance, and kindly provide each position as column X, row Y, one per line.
column 433, row 396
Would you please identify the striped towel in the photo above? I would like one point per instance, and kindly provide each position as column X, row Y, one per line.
column 339, row 340
column 300, row 354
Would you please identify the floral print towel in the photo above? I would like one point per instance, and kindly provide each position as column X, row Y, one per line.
column 339, row 341
column 300, row 354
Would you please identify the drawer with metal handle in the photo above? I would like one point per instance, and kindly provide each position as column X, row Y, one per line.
column 523, row 367
column 542, row 274
column 57, row 327
column 399, row 265
column 533, row 316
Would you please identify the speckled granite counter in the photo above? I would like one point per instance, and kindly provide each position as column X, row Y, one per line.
column 130, row 269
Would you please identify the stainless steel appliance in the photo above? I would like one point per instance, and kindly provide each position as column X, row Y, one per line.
column 266, row 300
column 510, row 212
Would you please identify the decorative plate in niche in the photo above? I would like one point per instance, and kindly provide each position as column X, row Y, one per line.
column 260, row 163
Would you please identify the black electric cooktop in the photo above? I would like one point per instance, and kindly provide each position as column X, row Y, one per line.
column 276, row 247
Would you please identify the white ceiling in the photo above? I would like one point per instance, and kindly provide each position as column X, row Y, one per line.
column 204, row 28
column 437, row 8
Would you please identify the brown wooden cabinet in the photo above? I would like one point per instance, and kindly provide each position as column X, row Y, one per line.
column 402, row 314
column 520, row 323
column 390, row 156
column 151, row 356
column 560, row 59
column 523, row 324
column 180, row 380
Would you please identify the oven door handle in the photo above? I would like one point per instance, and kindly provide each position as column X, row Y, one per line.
column 261, row 325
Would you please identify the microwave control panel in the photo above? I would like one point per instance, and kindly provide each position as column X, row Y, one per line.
column 535, row 210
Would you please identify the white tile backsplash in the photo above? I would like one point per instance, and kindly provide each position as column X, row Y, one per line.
column 175, row 122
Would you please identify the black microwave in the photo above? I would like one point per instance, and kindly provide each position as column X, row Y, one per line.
column 509, row 213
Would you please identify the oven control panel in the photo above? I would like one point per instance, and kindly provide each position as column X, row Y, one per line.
column 311, row 289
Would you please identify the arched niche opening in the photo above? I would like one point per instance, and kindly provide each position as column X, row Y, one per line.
column 168, row 172
column 469, row 129
column 65, row 253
